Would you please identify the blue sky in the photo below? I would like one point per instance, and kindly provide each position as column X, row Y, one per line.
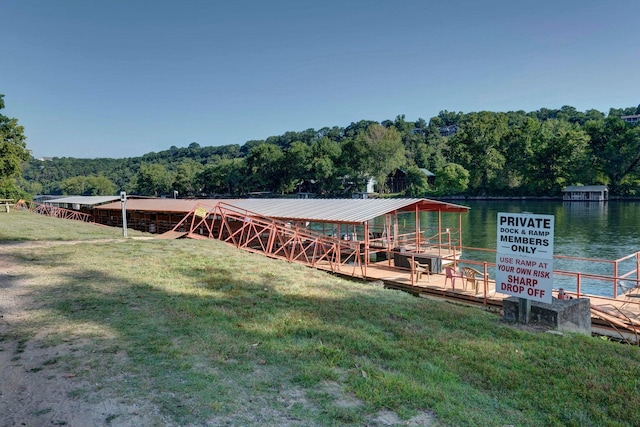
column 122, row 78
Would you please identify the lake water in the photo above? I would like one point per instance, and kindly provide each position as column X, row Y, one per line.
column 596, row 230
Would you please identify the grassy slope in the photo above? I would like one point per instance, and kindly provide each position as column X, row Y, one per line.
column 212, row 334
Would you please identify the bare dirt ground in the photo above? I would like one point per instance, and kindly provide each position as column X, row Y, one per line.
column 34, row 389
column 37, row 390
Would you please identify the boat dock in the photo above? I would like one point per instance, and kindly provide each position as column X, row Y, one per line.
column 618, row 318
column 370, row 240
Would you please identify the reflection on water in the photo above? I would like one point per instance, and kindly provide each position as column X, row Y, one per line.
column 596, row 230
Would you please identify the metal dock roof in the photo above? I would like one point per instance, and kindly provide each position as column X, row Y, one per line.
column 351, row 211
column 82, row 200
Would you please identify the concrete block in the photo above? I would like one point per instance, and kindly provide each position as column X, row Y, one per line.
column 573, row 315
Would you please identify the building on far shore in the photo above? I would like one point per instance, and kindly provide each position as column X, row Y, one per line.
column 585, row 193
column 633, row 119
column 397, row 180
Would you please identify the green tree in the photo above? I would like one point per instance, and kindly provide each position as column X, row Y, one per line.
column 478, row 147
column 263, row 167
column 323, row 164
column 295, row 165
column 225, row 177
column 354, row 163
column 13, row 153
column 355, row 129
column 88, row 186
column 385, row 152
column 417, row 184
column 618, row 112
column 518, row 145
column 186, row 183
column 74, row 186
column 449, row 118
column 101, row 186
column 31, row 187
column 559, row 157
column 615, row 149
column 154, row 180
column 452, row 179
column 435, row 153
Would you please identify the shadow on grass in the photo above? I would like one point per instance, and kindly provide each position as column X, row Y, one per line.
column 243, row 349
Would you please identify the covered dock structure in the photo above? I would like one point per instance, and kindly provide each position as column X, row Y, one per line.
column 374, row 239
column 585, row 193
column 79, row 208
column 335, row 233
column 365, row 238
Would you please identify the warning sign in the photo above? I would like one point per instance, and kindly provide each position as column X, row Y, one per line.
column 200, row 212
column 524, row 260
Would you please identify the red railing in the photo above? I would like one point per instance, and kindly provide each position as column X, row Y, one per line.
column 53, row 211
column 627, row 280
column 279, row 239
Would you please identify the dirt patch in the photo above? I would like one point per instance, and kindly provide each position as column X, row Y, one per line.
column 34, row 391
column 35, row 387
column 49, row 382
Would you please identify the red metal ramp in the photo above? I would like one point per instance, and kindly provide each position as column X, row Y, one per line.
column 272, row 237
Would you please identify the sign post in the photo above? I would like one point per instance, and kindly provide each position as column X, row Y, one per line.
column 123, row 200
column 524, row 259
column 524, row 310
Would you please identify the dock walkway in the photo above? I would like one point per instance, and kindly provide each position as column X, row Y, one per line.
column 618, row 317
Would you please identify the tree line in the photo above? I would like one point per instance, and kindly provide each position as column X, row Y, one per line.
column 487, row 153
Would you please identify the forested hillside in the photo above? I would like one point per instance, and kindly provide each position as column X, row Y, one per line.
column 479, row 153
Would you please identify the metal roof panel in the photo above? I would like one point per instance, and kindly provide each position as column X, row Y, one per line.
column 584, row 188
column 83, row 200
column 312, row 210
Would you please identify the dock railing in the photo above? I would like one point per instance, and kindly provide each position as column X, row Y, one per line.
column 440, row 242
column 53, row 211
column 622, row 280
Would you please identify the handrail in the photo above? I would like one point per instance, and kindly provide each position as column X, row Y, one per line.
column 53, row 211
column 633, row 255
column 614, row 279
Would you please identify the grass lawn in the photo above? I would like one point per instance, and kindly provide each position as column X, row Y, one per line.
column 212, row 335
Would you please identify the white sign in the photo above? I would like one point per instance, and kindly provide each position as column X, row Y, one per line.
column 524, row 260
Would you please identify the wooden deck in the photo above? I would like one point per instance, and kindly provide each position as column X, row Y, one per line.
column 434, row 284
column 294, row 243
column 618, row 318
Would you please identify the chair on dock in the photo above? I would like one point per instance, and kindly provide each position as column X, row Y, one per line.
column 471, row 276
column 451, row 275
column 420, row 269
column 630, row 292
